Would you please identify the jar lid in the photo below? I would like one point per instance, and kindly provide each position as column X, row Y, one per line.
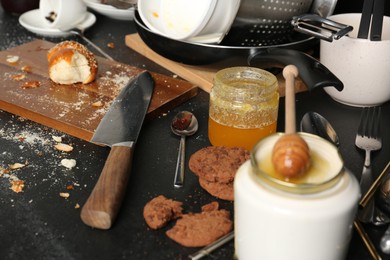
column 326, row 168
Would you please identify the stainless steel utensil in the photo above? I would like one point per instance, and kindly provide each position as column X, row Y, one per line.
column 319, row 27
column 315, row 123
column 312, row 123
column 385, row 242
column 210, row 248
column 384, row 191
column 118, row 129
column 368, row 138
column 183, row 124
column 384, row 200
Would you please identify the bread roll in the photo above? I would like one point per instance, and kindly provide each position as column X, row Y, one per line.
column 71, row 62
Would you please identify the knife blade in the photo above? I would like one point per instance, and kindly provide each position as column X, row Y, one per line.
column 118, row 129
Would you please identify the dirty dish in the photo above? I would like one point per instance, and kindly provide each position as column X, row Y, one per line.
column 110, row 11
column 62, row 14
column 32, row 21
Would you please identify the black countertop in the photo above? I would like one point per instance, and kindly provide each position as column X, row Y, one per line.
column 39, row 224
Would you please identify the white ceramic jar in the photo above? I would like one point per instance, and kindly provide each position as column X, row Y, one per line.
column 310, row 219
column 361, row 64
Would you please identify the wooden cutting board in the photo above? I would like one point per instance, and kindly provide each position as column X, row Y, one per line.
column 75, row 109
column 199, row 75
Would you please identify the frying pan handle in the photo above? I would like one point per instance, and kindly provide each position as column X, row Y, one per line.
column 311, row 71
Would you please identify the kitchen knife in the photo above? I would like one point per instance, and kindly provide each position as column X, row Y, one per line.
column 118, row 129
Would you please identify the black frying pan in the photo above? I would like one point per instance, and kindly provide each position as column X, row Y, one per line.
column 313, row 73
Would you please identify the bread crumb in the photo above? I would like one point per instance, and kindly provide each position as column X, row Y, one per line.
column 63, row 147
column 98, row 104
column 17, row 185
column 64, row 195
column 16, row 166
column 27, row 69
column 111, row 45
column 18, row 77
column 77, row 206
column 68, row 163
column 31, row 84
column 12, row 58
column 58, row 139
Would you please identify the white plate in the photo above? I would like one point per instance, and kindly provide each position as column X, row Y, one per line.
column 32, row 21
column 110, row 11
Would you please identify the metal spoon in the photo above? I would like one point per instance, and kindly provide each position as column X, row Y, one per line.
column 314, row 123
column 183, row 124
column 384, row 196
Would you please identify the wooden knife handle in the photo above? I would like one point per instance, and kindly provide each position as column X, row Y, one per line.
column 102, row 206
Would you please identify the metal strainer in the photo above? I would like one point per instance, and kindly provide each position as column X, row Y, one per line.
column 268, row 22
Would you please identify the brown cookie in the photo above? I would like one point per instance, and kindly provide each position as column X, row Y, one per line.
column 218, row 163
column 220, row 190
column 160, row 210
column 201, row 229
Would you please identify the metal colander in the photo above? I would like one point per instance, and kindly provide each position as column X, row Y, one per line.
column 268, row 22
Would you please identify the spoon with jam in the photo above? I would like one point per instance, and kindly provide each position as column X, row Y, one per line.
column 183, row 124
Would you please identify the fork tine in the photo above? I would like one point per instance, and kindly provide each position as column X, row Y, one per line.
column 365, row 122
column 370, row 122
column 376, row 124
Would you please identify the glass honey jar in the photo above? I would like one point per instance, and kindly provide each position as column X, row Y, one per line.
column 244, row 104
column 310, row 217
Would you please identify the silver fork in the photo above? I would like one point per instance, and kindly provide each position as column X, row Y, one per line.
column 368, row 138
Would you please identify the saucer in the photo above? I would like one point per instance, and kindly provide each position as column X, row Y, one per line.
column 32, row 21
column 110, row 11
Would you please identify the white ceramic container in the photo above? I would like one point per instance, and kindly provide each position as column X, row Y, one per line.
column 362, row 65
column 62, row 14
column 205, row 21
column 278, row 220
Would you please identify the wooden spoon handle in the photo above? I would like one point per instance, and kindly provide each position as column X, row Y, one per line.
column 102, row 206
column 290, row 72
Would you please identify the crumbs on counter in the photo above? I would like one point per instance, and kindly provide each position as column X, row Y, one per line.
column 111, row 45
column 13, row 59
column 18, row 77
column 33, row 141
column 64, row 195
column 68, row 163
column 98, row 104
column 58, row 139
column 64, row 147
column 17, row 185
column 17, row 165
column 26, row 68
column 31, row 84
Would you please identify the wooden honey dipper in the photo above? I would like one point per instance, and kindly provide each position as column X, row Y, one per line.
column 290, row 155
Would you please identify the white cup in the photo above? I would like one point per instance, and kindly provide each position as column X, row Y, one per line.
column 362, row 65
column 62, row 14
column 205, row 21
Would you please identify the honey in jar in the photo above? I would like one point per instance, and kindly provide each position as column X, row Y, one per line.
column 244, row 104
